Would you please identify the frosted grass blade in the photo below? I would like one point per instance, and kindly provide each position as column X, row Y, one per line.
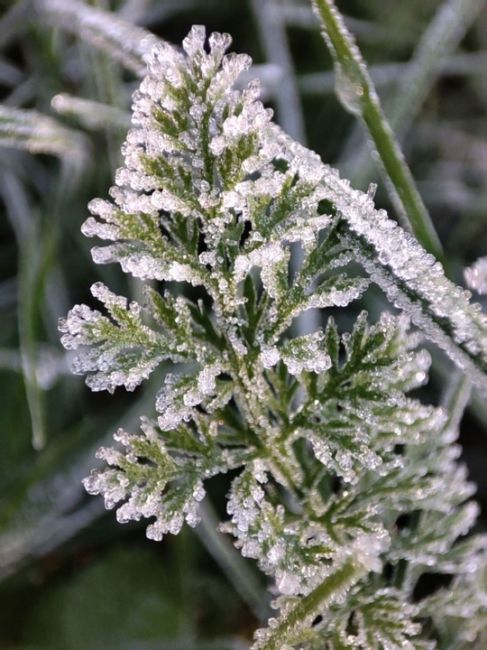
column 120, row 39
column 37, row 133
column 357, row 93
column 272, row 28
column 89, row 113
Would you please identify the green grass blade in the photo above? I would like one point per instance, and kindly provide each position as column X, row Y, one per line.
column 120, row 39
column 357, row 93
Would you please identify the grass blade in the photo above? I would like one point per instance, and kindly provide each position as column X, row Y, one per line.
column 121, row 40
column 37, row 133
column 91, row 114
column 357, row 93
column 271, row 23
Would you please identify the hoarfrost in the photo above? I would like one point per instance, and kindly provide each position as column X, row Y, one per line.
column 476, row 276
column 306, row 353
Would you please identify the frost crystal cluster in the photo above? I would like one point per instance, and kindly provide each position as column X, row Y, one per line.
column 347, row 490
column 476, row 275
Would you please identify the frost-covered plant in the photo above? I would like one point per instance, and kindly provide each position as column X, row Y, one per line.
column 347, row 490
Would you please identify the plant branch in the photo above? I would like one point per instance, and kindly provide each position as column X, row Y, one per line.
column 331, row 588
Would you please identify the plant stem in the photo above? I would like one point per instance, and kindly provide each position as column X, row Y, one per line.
column 335, row 584
column 357, row 93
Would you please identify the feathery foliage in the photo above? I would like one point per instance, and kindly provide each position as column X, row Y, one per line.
column 347, row 490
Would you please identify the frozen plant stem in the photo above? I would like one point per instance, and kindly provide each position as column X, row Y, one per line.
column 309, row 607
column 357, row 93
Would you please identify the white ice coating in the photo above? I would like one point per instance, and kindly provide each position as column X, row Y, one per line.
column 269, row 356
column 146, row 490
column 266, row 257
column 306, row 353
column 176, row 401
column 107, row 346
column 366, row 549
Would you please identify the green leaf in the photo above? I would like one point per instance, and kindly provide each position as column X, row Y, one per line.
column 121, row 351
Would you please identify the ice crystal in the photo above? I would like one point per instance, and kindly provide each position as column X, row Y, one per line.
column 411, row 278
column 347, row 489
column 476, row 276
column 306, row 353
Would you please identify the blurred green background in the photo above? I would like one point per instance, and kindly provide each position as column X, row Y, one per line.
column 70, row 577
